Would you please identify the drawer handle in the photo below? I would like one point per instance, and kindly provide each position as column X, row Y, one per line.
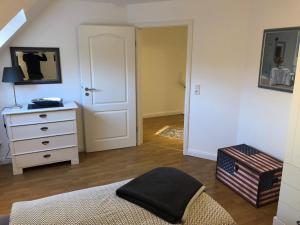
column 47, row 156
column 43, row 116
column 44, row 128
column 45, row 142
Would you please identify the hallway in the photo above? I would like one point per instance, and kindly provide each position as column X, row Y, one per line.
column 153, row 125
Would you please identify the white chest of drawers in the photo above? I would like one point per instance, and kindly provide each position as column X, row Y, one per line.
column 42, row 136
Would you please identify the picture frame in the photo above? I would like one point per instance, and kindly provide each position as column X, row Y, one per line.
column 279, row 56
column 40, row 65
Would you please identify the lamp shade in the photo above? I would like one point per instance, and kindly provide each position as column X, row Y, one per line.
column 12, row 74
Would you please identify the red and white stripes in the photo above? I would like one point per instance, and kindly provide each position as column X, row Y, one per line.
column 259, row 162
column 248, row 174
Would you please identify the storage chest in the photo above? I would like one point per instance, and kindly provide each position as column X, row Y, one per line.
column 251, row 173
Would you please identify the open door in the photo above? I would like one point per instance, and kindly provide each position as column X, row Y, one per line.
column 107, row 64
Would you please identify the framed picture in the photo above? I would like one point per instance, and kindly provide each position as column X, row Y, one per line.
column 279, row 59
column 39, row 65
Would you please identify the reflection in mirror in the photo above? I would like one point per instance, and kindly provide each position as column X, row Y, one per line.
column 39, row 65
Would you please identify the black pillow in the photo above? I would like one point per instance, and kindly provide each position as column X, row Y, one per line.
column 166, row 192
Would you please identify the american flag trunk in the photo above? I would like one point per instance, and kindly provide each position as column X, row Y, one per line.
column 252, row 174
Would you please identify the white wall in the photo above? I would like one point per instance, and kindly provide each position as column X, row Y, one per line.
column 57, row 27
column 217, row 64
column 227, row 34
column 264, row 114
column 162, row 63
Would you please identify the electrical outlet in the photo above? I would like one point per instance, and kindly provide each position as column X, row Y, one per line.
column 197, row 89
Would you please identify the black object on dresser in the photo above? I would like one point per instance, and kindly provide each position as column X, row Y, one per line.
column 41, row 103
column 251, row 173
column 36, row 106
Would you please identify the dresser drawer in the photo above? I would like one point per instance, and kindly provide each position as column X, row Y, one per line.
column 43, row 130
column 46, row 157
column 287, row 214
column 42, row 117
column 43, row 144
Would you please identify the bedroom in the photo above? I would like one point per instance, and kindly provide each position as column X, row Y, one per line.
column 226, row 48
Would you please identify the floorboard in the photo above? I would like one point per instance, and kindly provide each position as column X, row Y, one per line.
column 110, row 166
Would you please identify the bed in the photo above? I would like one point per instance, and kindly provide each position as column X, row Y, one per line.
column 101, row 206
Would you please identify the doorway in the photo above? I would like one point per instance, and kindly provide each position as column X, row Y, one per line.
column 163, row 85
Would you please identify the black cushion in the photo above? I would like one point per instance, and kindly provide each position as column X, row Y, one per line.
column 165, row 192
column 4, row 220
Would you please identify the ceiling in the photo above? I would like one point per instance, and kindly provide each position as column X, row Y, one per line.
column 124, row 2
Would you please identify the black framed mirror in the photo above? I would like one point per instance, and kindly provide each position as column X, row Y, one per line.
column 39, row 65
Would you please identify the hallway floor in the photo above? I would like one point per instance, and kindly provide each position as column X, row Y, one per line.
column 153, row 125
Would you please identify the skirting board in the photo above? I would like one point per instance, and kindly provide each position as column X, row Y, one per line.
column 276, row 221
column 201, row 154
column 158, row 114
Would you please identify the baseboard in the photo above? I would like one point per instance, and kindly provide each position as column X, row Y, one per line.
column 277, row 221
column 201, row 154
column 158, row 114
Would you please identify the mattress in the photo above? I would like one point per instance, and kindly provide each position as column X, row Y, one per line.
column 101, row 206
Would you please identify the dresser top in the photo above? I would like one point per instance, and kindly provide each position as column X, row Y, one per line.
column 24, row 109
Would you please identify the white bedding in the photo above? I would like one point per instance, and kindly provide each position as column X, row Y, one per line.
column 101, row 206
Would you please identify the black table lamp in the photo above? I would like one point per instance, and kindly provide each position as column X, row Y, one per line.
column 13, row 75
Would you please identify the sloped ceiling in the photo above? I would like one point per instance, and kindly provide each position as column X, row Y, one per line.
column 10, row 8
column 125, row 2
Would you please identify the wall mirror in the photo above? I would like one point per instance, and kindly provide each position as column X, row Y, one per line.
column 39, row 65
column 279, row 59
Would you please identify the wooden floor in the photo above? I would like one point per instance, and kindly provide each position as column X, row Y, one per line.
column 152, row 125
column 111, row 166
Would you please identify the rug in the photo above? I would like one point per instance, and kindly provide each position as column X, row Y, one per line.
column 171, row 132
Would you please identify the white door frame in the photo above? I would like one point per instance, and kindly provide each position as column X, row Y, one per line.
column 189, row 24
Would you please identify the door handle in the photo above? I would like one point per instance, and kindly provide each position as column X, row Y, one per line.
column 90, row 89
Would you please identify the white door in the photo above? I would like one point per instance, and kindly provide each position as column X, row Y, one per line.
column 107, row 64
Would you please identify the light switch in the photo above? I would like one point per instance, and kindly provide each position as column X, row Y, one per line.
column 197, row 89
